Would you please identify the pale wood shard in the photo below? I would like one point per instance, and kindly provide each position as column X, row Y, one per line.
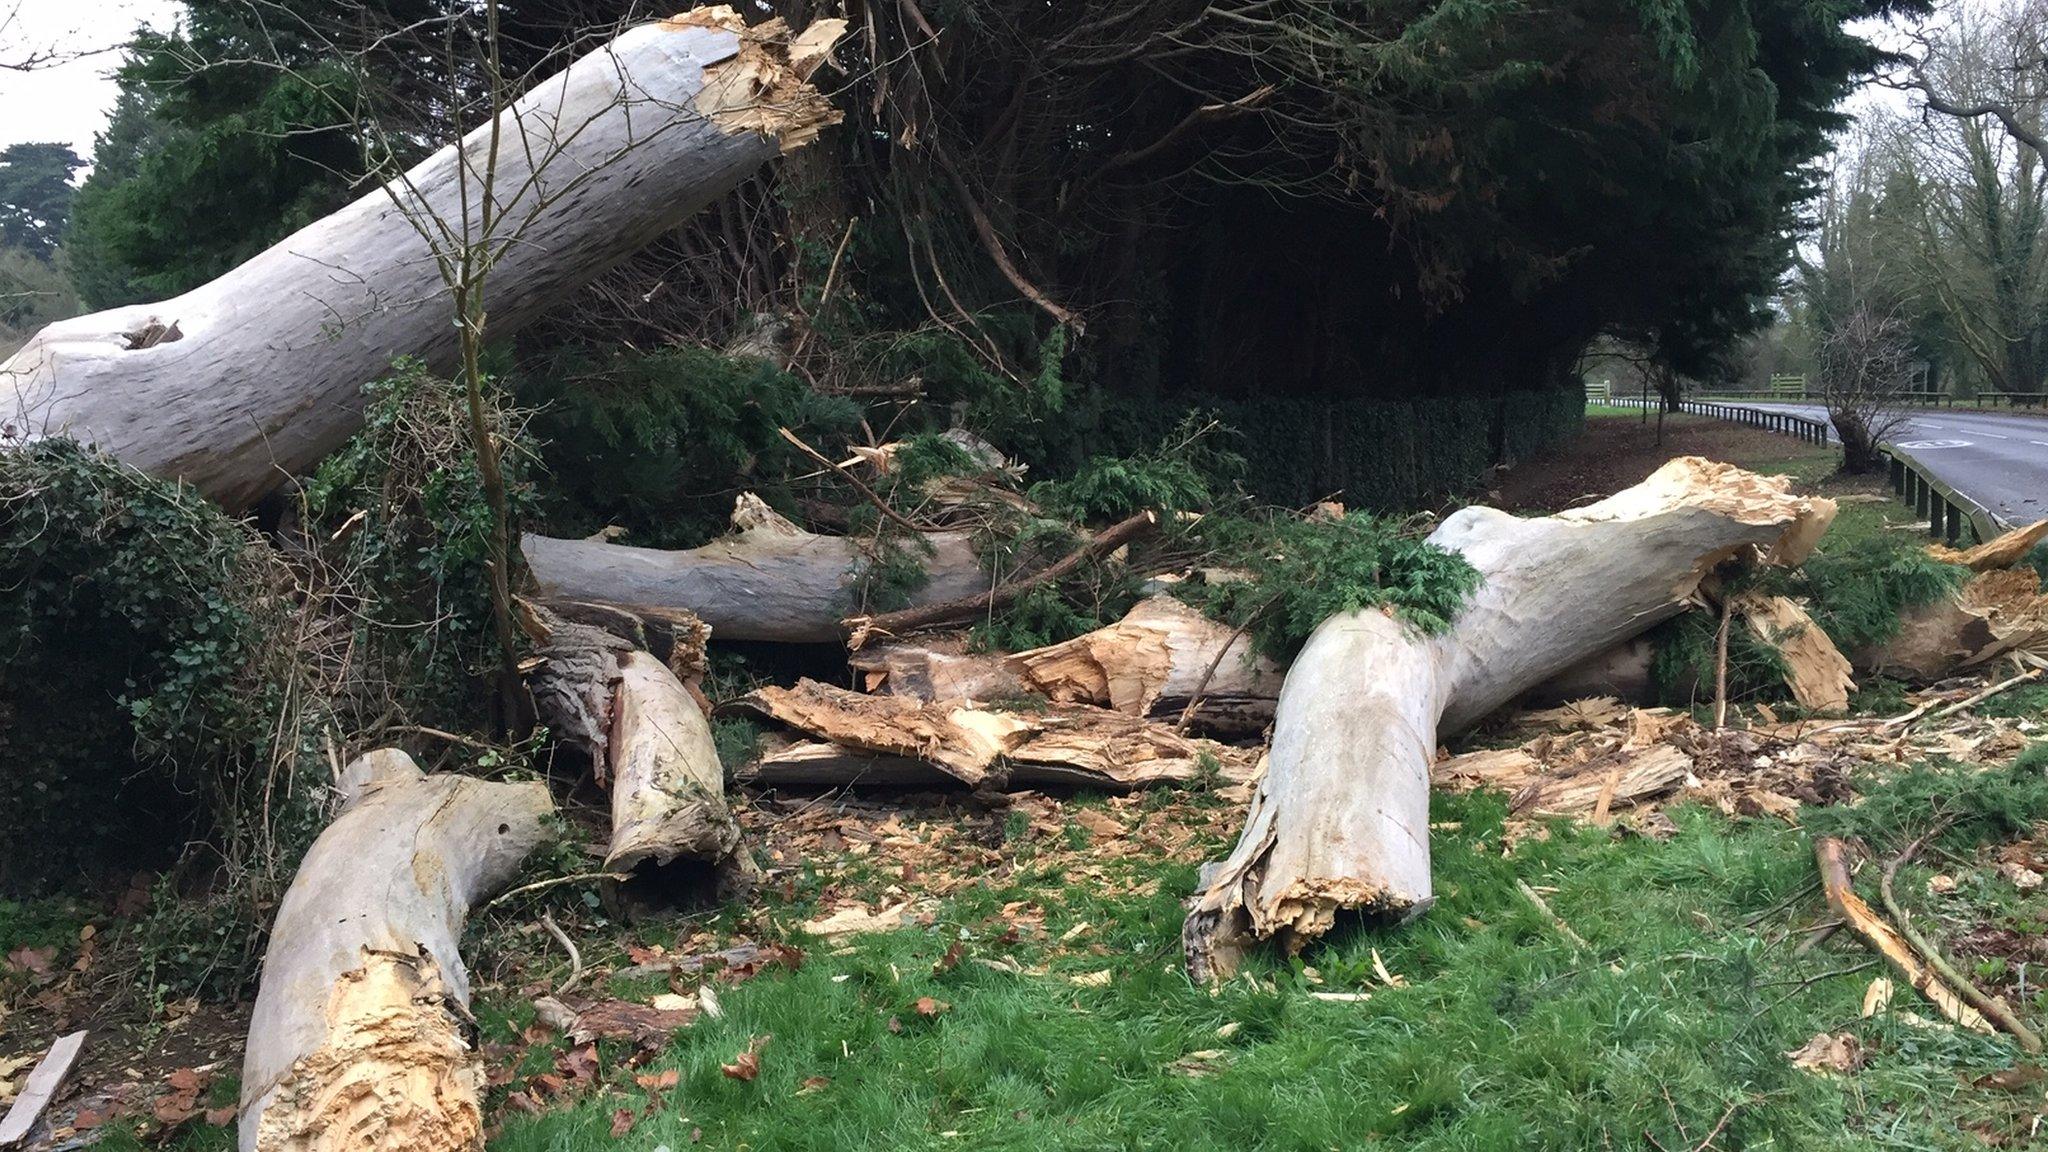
column 257, row 375
column 1622, row 778
column 2007, row 550
column 1153, row 662
column 1156, row 660
column 1816, row 671
column 358, row 1041
column 674, row 636
column 649, row 745
column 1340, row 820
column 766, row 580
column 40, row 1090
column 1832, row 857
column 983, row 747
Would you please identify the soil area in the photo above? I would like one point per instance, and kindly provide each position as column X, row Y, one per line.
column 1617, row 451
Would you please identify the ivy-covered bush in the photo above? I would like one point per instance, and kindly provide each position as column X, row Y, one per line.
column 403, row 506
column 147, row 678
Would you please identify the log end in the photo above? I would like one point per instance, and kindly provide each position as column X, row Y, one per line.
column 395, row 1072
column 765, row 86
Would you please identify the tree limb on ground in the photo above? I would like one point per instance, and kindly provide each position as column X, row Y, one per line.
column 358, row 1041
column 1340, row 820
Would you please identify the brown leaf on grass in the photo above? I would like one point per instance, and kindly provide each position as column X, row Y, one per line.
column 747, row 1064
column 659, row 1081
column 35, row 962
column 186, row 1080
column 171, row 1111
column 926, row 1006
column 222, row 1116
column 1197, row 1065
column 814, row 1084
column 578, row 1064
column 1099, row 823
column 2017, row 1078
column 950, row 960
column 87, row 1120
column 622, row 1122
column 1829, row 1054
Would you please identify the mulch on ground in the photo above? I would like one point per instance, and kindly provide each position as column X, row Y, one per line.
column 1615, row 452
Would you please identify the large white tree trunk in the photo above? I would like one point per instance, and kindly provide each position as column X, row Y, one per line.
column 1341, row 819
column 357, row 1042
column 258, row 374
column 767, row 580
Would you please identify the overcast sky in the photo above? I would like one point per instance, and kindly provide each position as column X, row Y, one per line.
column 69, row 100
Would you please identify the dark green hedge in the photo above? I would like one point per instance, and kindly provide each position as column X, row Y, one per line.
column 1382, row 456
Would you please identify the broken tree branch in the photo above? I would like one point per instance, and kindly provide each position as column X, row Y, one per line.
column 1832, row 857
column 861, row 629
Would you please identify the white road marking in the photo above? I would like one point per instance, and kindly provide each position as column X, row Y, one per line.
column 2042, row 443
column 1993, row 436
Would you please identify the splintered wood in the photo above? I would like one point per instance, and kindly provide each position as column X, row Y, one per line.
column 980, row 746
column 1815, row 670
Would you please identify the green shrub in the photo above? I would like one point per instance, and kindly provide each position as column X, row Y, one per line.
column 1856, row 592
column 659, row 443
column 150, row 668
column 404, row 503
column 1301, row 572
column 1974, row 804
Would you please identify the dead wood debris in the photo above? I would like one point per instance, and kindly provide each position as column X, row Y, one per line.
column 896, row 739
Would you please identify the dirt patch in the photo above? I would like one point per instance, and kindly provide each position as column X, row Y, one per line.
column 1615, row 452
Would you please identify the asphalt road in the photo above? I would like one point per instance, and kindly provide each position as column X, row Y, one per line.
column 1999, row 460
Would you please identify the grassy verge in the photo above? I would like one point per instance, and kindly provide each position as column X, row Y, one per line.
column 1501, row 1033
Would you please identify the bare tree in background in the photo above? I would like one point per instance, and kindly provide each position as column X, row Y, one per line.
column 1863, row 366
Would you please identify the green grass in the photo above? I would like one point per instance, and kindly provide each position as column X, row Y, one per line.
column 1505, row 1037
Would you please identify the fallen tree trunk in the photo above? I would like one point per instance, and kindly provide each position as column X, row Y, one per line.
column 767, row 580
column 650, row 745
column 256, row 375
column 861, row 629
column 357, row 1042
column 1340, row 820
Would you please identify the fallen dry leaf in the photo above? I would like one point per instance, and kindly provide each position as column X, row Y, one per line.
column 1828, row 1054
column 1091, row 979
column 222, row 1116
column 2017, row 1078
column 659, row 1081
column 813, row 1084
column 622, row 1122
column 926, row 1006
column 747, row 1064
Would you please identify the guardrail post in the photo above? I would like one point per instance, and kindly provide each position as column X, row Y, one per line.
column 1898, row 474
column 1923, row 497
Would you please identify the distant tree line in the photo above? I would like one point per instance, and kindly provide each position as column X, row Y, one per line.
column 1032, row 206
